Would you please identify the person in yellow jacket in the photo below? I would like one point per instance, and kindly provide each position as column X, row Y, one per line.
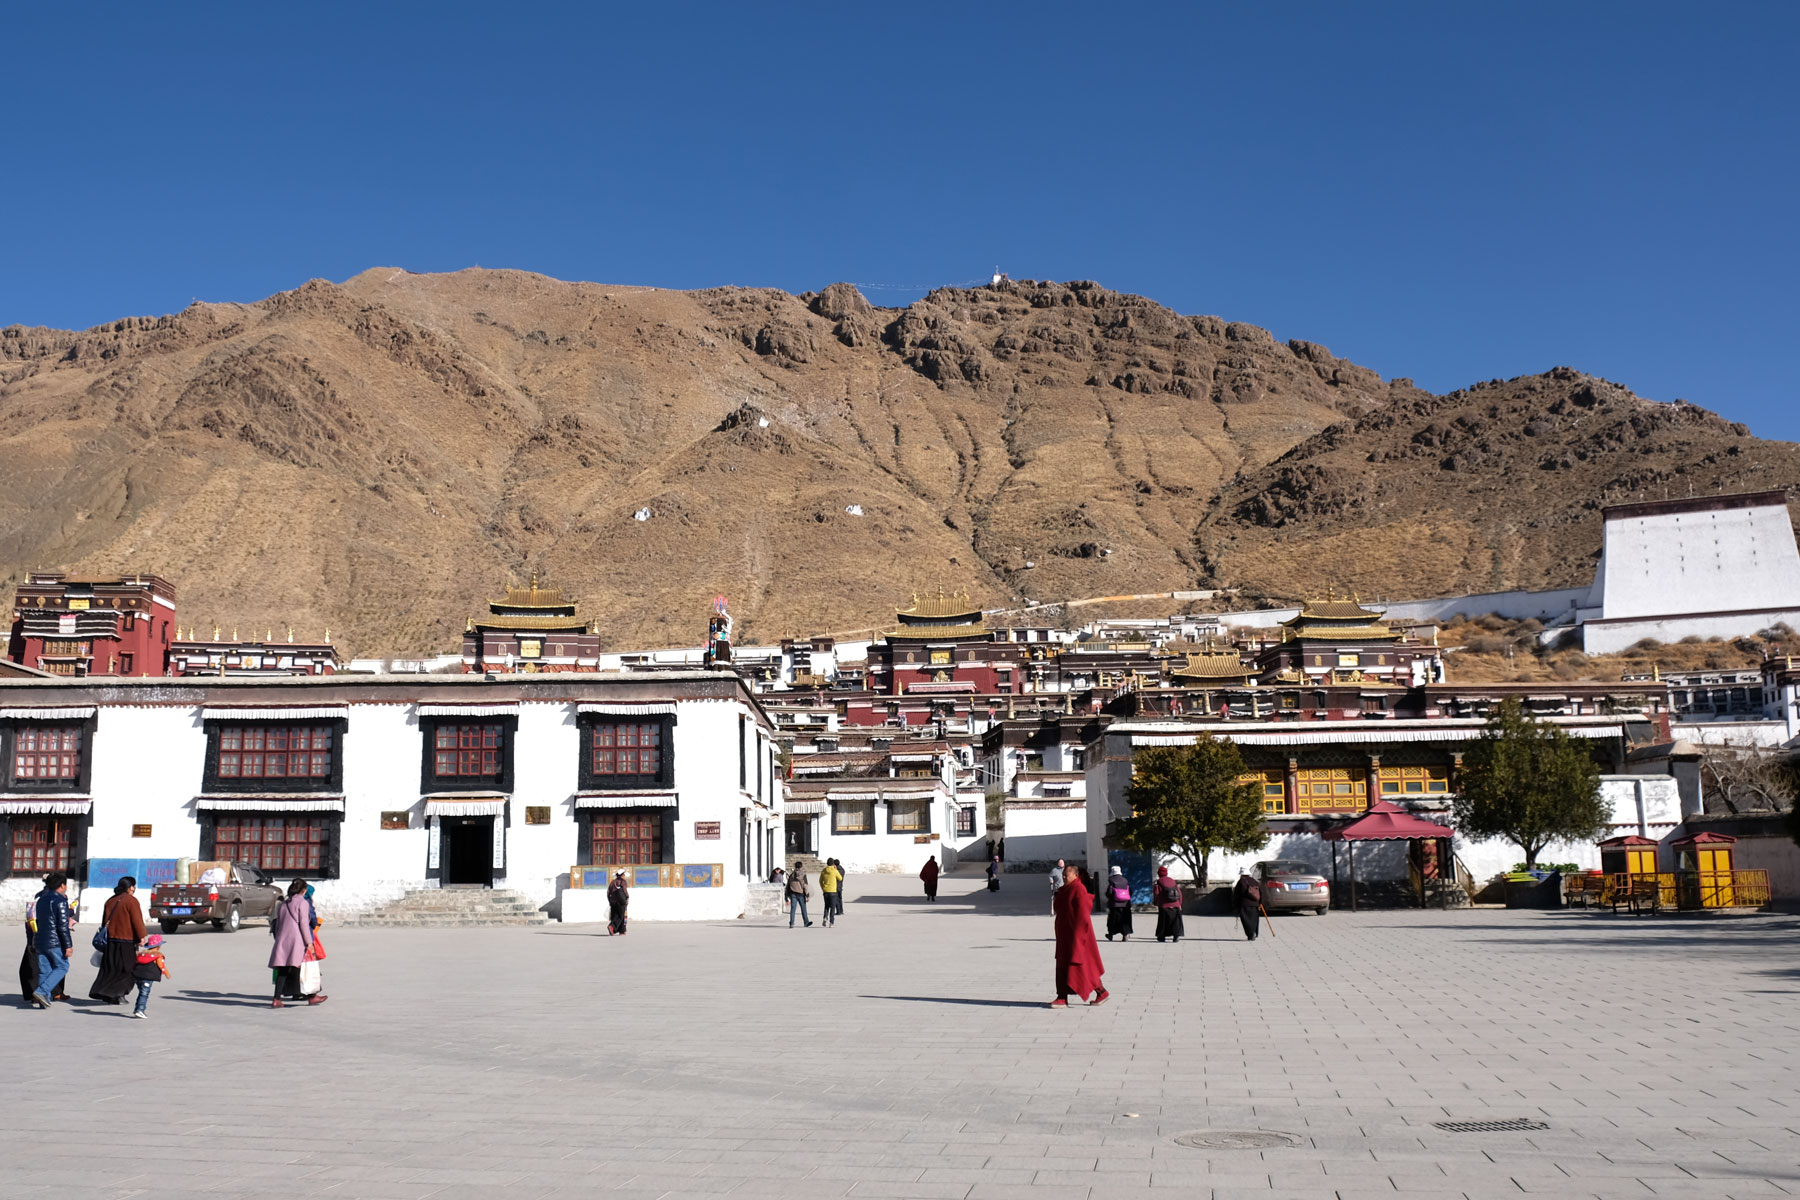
column 831, row 882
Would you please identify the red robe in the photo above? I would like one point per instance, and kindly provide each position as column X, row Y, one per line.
column 1077, row 953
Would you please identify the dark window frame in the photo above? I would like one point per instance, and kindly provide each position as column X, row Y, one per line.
column 838, row 805
column 584, row 826
column 332, row 840
column 588, row 781
column 9, row 742
column 431, row 781
column 333, row 781
column 924, row 807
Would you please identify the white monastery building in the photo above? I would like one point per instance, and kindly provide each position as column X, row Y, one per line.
column 376, row 785
column 1711, row 567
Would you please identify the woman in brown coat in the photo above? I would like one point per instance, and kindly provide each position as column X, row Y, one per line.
column 124, row 921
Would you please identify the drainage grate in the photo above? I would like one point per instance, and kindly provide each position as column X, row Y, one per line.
column 1508, row 1125
column 1237, row 1139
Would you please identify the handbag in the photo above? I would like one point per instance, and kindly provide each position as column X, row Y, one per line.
column 309, row 978
column 316, row 951
column 100, row 939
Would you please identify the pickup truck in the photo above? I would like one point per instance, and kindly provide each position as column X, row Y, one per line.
column 251, row 893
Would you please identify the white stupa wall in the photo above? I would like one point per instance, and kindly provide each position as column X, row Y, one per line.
column 1720, row 566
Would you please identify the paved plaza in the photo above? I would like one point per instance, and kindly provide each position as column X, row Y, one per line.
column 909, row 1053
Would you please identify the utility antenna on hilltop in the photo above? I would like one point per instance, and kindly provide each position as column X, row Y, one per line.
column 999, row 276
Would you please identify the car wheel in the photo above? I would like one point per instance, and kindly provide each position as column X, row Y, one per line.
column 1320, row 911
column 169, row 926
column 234, row 917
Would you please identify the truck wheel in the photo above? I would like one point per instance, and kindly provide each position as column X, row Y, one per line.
column 234, row 917
column 169, row 927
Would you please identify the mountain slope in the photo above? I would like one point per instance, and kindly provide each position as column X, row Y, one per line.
column 378, row 456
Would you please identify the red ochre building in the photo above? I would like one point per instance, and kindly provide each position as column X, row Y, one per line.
column 533, row 629
column 78, row 627
column 191, row 656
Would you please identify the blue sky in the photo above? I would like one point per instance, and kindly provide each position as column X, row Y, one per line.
column 1447, row 191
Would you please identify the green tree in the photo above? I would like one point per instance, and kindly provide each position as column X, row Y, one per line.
column 1529, row 782
column 1188, row 801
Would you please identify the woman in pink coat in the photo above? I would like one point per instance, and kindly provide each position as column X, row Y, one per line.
column 293, row 933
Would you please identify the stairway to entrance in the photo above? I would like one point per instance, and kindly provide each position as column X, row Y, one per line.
column 452, row 906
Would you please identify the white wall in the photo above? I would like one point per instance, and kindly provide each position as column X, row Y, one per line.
column 1610, row 638
column 1044, row 831
column 1696, row 562
column 1763, row 734
column 1517, row 605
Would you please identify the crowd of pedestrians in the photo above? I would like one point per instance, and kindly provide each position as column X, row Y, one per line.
column 128, row 958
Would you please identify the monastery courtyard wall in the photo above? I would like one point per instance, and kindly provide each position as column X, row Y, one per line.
column 908, row 1053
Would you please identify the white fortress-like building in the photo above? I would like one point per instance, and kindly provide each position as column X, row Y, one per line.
column 1712, row 567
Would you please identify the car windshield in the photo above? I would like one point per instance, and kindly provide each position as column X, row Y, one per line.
column 1286, row 867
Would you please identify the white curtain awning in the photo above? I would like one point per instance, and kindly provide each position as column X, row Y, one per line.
column 491, row 807
column 1315, row 735
column 269, row 803
column 62, row 806
column 80, row 713
column 805, row 808
column 297, row 713
column 626, row 800
column 627, row 709
column 468, row 710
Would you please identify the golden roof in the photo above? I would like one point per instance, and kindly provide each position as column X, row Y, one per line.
column 1213, row 666
column 535, row 595
column 1324, row 619
column 565, row 623
column 927, row 633
column 943, row 607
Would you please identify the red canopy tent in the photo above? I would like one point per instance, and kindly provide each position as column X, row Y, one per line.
column 1386, row 822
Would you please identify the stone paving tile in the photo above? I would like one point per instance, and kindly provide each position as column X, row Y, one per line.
column 911, row 1059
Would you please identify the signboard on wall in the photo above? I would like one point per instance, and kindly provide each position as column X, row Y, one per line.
column 652, row 875
column 105, row 872
column 706, row 831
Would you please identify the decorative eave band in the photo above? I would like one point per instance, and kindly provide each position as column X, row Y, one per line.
column 589, row 800
column 500, row 709
column 60, row 806
column 77, row 713
column 269, row 803
column 627, row 709
column 295, row 713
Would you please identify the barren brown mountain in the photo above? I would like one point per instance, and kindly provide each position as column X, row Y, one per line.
column 379, row 456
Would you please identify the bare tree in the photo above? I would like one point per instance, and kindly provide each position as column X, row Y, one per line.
column 1748, row 779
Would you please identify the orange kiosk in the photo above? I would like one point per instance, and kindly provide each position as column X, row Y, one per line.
column 1628, row 865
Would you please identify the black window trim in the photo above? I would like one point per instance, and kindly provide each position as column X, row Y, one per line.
column 213, row 784
column 889, row 805
column 78, row 841
column 334, row 837
column 584, row 831
column 9, row 741
column 588, row 781
column 431, row 781
column 874, row 821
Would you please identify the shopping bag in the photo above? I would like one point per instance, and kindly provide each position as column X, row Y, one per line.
column 309, row 978
column 316, row 951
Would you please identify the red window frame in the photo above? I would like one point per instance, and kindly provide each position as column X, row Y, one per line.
column 293, row 844
column 47, row 753
column 626, row 748
column 626, row 836
column 467, row 751
column 275, row 751
column 41, row 845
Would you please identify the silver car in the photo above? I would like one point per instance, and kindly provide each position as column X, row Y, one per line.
column 1290, row 884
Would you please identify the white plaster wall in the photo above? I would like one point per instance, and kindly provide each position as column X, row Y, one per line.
column 147, row 768
column 725, row 903
column 1765, row 734
column 1039, row 835
column 538, row 857
column 1610, row 638
column 1516, row 605
column 1692, row 562
column 882, row 852
column 382, row 760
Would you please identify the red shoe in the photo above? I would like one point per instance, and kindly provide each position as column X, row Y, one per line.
column 1099, row 997
column 319, row 999
column 276, row 1003
column 1060, row 1002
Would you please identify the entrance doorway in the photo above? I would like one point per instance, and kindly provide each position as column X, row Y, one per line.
column 800, row 836
column 468, row 851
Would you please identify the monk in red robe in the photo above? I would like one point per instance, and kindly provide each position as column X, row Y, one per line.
column 1078, row 965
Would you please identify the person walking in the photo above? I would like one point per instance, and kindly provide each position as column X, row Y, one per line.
column 1057, row 874
column 618, row 899
column 1078, row 965
column 1247, row 897
column 28, row 963
column 1118, row 906
column 1166, row 895
column 292, row 932
column 929, row 873
column 152, row 968
column 796, row 894
column 123, row 918
column 843, row 887
column 53, row 938
column 831, row 878
column 993, row 874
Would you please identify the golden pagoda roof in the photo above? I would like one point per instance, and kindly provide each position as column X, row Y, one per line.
column 1213, row 665
column 1336, row 608
column 930, row 633
column 943, row 607
column 535, row 595
column 562, row 622
column 1328, row 618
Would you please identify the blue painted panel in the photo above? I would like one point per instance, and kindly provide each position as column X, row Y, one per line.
column 646, row 877
column 697, row 876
